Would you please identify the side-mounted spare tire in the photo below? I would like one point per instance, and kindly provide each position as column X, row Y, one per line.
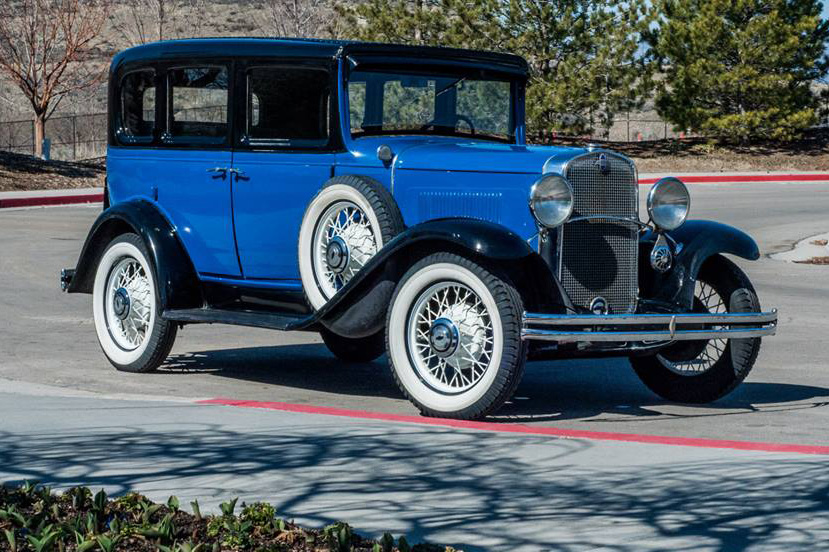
column 346, row 224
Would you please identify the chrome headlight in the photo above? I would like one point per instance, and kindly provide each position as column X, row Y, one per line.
column 551, row 200
column 669, row 203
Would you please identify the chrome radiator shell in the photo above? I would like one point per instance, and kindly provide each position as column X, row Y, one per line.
column 598, row 248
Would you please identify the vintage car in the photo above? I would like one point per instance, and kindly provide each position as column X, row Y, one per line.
column 385, row 197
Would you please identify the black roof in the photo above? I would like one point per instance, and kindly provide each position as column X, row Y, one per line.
column 312, row 48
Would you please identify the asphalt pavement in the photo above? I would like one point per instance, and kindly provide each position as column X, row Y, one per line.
column 67, row 416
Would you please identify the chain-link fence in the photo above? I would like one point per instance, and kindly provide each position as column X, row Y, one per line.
column 73, row 137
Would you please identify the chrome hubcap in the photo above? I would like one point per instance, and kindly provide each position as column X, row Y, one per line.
column 336, row 255
column 450, row 337
column 344, row 241
column 444, row 337
column 121, row 303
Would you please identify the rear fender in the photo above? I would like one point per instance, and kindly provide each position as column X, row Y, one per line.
column 697, row 240
column 359, row 309
column 178, row 284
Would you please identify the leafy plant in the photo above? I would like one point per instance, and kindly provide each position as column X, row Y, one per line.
column 196, row 509
column 260, row 514
column 99, row 502
column 387, row 542
column 107, row 543
column 164, row 530
column 11, row 539
column 173, row 503
column 227, row 508
column 44, row 540
column 338, row 536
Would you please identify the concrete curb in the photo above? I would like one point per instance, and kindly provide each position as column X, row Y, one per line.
column 43, row 201
column 81, row 198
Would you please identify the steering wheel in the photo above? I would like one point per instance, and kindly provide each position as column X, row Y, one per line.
column 458, row 118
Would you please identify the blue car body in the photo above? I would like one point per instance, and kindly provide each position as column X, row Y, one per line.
column 227, row 209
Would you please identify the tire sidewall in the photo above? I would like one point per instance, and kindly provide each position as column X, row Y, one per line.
column 412, row 286
column 324, row 199
column 120, row 248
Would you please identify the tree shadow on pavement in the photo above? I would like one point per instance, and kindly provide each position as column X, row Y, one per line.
column 549, row 392
column 484, row 491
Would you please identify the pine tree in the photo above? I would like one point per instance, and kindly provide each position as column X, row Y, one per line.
column 584, row 55
column 740, row 69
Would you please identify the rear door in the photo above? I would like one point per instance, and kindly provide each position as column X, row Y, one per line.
column 193, row 162
column 284, row 153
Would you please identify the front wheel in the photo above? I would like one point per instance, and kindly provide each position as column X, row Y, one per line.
column 704, row 371
column 453, row 336
column 125, row 307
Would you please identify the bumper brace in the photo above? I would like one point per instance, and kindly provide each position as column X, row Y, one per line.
column 563, row 328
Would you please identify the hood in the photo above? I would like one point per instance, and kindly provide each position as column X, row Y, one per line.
column 483, row 157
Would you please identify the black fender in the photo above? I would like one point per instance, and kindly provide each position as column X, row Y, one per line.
column 359, row 308
column 697, row 241
column 178, row 284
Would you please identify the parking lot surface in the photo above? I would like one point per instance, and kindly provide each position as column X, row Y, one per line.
column 48, row 337
column 67, row 416
column 470, row 489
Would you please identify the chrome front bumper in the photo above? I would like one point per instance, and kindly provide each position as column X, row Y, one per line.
column 564, row 328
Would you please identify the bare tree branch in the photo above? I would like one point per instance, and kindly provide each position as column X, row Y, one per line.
column 43, row 46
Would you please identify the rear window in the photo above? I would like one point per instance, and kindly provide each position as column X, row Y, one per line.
column 287, row 106
column 137, row 107
column 198, row 105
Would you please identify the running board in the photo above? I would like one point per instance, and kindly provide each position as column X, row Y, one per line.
column 239, row 318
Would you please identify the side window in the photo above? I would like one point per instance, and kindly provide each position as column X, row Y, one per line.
column 198, row 105
column 287, row 107
column 137, row 107
column 357, row 104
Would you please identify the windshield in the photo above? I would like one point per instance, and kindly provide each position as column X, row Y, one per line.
column 383, row 102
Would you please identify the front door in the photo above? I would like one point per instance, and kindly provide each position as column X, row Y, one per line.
column 193, row 165
column 282, row 158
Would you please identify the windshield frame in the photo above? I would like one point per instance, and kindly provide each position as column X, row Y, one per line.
column 459, row 72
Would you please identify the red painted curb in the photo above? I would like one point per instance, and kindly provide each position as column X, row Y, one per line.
column 724, row 179
column 51, row 200
column 520, row 428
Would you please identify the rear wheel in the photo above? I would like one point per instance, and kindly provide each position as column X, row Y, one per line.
column 704, row 371
column 125, row 307
column 453, row 334
column 345, row 225
column 350, row 349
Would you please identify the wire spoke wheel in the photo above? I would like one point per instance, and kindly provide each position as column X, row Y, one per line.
column 706, row 300
column 128, row 303
column 344, row 241
column 450, row 337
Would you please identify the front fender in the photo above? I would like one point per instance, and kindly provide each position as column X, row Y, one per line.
column 178, row 284
column 359, row 309
column 697, row 241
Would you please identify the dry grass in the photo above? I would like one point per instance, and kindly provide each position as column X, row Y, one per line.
column 811, row 153
column 24, row 172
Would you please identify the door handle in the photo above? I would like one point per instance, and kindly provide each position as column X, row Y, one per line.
column 240, row 174
column 217, row 170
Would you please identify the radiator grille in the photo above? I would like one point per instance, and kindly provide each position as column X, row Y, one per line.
column 599, row 256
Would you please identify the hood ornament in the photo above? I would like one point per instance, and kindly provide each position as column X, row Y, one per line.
column 601, row 161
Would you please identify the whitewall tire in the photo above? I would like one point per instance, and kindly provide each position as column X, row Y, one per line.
column 344, row 226
column 453, row 337
column 125, row 308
